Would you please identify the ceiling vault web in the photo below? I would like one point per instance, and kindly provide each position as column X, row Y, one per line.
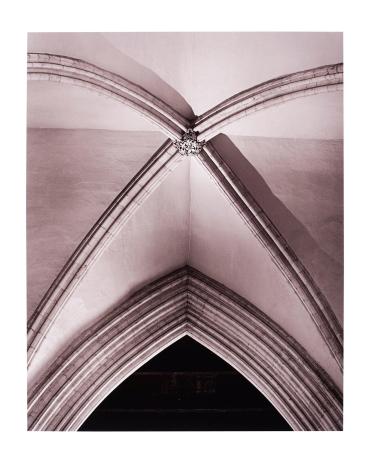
column 185, row 138
column 281, row 253
column 97, row 239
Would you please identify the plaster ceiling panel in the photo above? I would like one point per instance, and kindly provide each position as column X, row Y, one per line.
column 299, row 183
column 223, row 247
column 317, row 116
column 207, row 68
column 72, row 176
column 94, row 48
column 63, row 106
column 151, row 244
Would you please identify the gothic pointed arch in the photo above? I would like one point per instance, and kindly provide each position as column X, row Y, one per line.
column 185, row 302
column 111, row 222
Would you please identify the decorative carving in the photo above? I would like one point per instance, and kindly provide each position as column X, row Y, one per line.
column 189, row 145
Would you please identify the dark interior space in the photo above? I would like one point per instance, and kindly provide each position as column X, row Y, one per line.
column 186, row 387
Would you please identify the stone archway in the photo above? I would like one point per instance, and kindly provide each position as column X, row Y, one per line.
column 185, row 302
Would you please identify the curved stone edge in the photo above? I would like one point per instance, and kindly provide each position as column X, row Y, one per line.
column 276, row 91
column 185, row 302
column 164, row 161
column 281, row 253
column 62, row 69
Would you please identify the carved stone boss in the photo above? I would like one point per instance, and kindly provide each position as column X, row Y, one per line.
column 189, row 144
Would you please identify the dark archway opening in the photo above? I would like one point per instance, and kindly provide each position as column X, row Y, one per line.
column 186, row 387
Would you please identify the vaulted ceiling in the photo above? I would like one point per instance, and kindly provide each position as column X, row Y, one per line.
column 85, row 148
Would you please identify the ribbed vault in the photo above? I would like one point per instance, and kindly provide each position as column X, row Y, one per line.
column 184, row 302
column 112, row 222
column 299, row 378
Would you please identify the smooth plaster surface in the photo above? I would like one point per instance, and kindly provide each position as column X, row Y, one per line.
column 72, row 176
column 299, row 183
column 207, row 68
column 152, row 243
column 316, row 117
column 58, row 105
column 224, row 248
column 94, row 48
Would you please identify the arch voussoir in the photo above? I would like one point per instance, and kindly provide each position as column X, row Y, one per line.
column 185, row 302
